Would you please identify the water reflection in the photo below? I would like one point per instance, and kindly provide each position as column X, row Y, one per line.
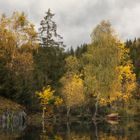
column 124, row 130
column 11, row 129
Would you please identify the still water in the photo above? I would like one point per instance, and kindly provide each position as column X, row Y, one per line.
column 124, row 130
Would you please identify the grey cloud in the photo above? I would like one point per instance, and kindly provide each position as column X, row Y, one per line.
column 77, row 18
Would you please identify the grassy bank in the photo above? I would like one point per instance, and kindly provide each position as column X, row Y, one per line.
column 8, row 104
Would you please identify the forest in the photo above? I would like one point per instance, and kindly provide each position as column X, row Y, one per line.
column 38, row 71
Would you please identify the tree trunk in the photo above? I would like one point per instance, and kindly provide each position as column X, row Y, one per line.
column 43, row 126
column 43, row 113
column 96, row 108
column 96, row 130
column 68, row 113
column 68, row 131
column 43, row 120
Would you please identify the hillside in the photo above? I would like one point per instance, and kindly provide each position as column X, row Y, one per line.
column 8, row 104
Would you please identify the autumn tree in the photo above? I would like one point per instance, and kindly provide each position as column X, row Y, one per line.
column 72, row 91
column 47, row 98
column 102, row 76
column 18, row 41
column 134, row 51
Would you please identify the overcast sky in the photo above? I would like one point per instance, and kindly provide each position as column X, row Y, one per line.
column 77, row 18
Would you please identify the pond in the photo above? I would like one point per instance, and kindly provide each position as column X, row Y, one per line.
column 123, row 130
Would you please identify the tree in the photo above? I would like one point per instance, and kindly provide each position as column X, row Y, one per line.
column 72, row 84
column 47, row 98
column 72, row 65
column 134, row 47
column 48, row 32
column 134, row 52
column 49, row 59
column 72, row 91
column 102, row 76
column 80, row 50
column 17, row 44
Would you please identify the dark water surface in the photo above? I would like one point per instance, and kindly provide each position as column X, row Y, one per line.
column 124, row 130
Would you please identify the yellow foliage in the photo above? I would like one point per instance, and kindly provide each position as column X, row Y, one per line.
column 58, row 101
column 102, row 102
column 73, row 90
column 128, row 80
column 57, row 137
column 47, row 97
column 127, row 84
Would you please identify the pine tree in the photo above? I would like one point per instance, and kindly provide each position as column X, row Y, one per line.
column 49, row 59
column 48, row 32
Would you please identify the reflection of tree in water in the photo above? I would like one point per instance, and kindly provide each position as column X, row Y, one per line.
column 48, row 132
column 128, row 131
column 96, row 130
column 121, row 131
column 83, row 131
column 10, row 131
column 12, row 124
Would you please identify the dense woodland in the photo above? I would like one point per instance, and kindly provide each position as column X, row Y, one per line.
column 38, row 71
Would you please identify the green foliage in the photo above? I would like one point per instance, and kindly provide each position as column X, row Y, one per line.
column 72, row 64
column 49, row 60
column 48, row 32
column 80, row 50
